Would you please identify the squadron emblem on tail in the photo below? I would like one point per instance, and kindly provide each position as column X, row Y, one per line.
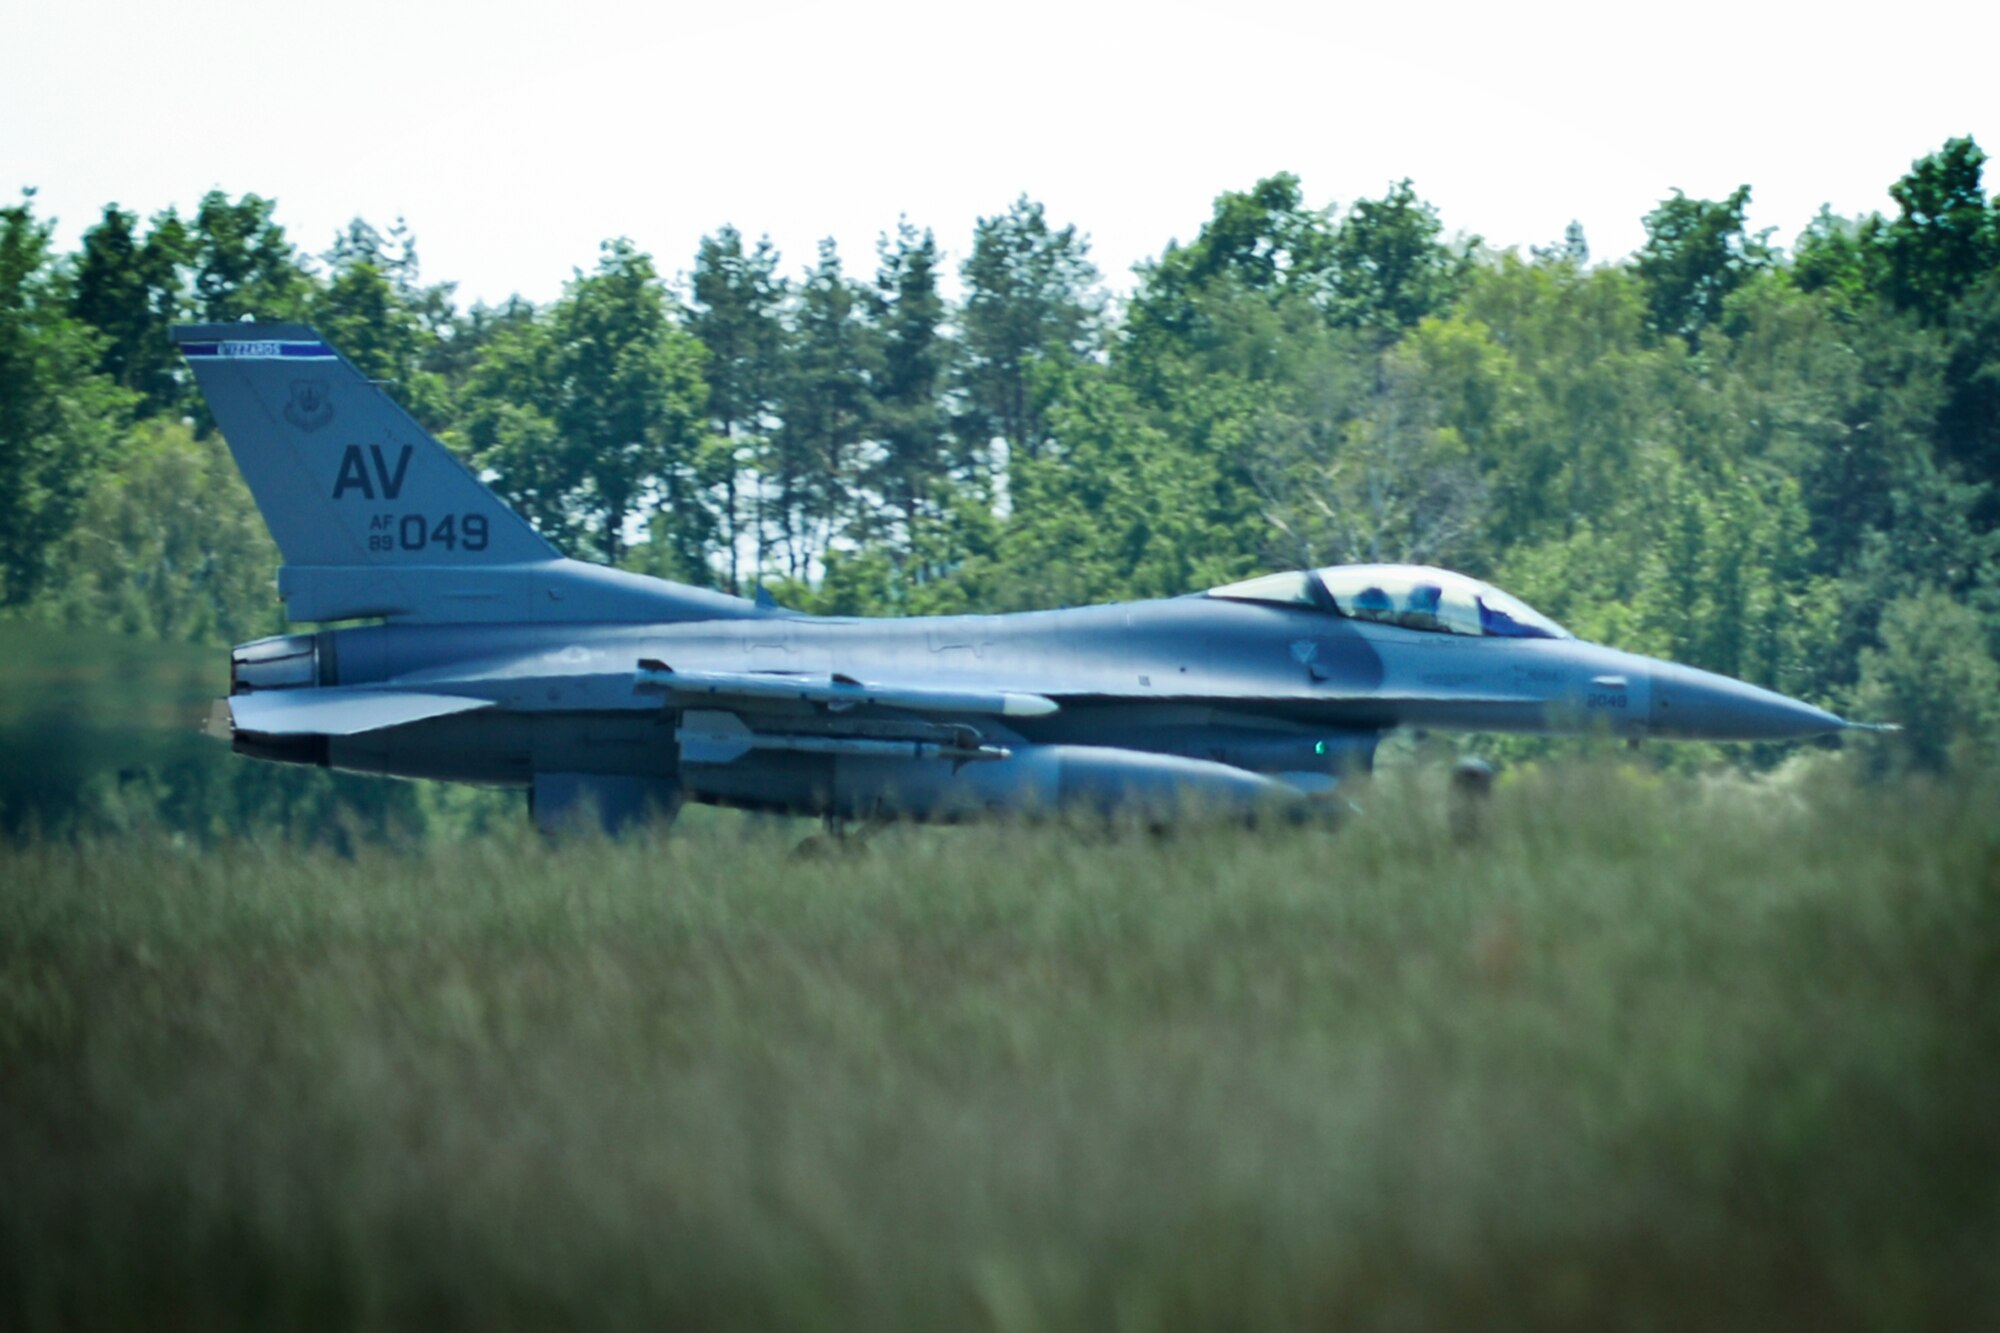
column 310, row 408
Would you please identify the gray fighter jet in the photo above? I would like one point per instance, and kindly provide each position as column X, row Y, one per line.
column 611, row 696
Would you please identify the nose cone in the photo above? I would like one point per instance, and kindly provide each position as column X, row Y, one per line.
column 1701, row 706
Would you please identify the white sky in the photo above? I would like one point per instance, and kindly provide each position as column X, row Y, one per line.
column 515, row 137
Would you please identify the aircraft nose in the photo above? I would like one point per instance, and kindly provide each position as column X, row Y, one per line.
column 1690, row 704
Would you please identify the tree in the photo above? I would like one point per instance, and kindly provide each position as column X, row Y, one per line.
column 1031, row 301
column 1930, row 537
column 374, row 307
column 1842, row 257
column 1263, row 244
column 1561, row 422
column 1114, row 507
column 1396, row 478
column 593, row 413
column 1844, row 405
column 59, row 417
column 1265, row 238
column 1573, row 249
column 1946, row 238
column 1968, row 426
column 914, row 460
column 1934, row 677
column 169, row 545
column 509, row 427
column 132, row 290
column 243, row 264
column 471, row 331
column 1696, row 253
column 812, row 464
column 1388, row 270
column 738, row 314
column 632, row 396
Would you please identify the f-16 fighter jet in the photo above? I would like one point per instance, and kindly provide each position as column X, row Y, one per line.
column 610, row 696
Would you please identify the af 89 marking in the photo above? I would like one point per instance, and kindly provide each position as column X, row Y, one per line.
column 419, row 532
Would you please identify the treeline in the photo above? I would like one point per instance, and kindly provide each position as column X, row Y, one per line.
column 1779, row 463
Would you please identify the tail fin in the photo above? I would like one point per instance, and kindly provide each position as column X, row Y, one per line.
column 342, row 474
column 373, row 516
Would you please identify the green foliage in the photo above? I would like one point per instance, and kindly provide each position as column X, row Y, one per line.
column 59, row 417
column 1388, row 270
column 1696, row 254
column 1261, row 250
column 1265, row 239
column 168, row 545
column 1031, row 308
column 594, row 411
column 1565, row 419
column 1714, row 574
column 914, row 449
column 244, row 266
column 373, row 307
column 1119, row 511
column 817, row 453
column 1266, row 259
column 738, row 297
column 1935, row 678
column 1968, row 421
column 737, row 314
column 1946, row 237
column 1843, row 258
column 1392, row 471
column 131, row 290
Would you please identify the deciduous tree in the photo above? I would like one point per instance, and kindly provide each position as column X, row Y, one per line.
column 59, row 416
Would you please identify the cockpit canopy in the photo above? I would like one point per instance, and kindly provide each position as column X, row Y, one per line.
column 1412, row 596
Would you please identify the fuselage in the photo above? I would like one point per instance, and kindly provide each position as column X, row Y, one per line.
column 1294, row 692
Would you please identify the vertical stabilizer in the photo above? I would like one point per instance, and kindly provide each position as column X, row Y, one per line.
column 343, row 475
column 374, row 517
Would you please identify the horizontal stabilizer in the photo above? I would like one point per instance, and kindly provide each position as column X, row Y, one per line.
column 337, row 711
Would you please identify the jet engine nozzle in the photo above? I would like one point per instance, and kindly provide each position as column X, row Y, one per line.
column 284, row 662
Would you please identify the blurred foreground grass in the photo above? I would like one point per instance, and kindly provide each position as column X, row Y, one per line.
column 1651, row 1054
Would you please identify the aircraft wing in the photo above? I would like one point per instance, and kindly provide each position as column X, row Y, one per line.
column 338, row 711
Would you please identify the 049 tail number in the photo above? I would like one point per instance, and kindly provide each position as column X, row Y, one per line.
column 420, row 532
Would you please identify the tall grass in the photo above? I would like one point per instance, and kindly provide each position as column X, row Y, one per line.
column 1644, row 1054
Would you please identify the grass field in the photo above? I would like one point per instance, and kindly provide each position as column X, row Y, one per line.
column 1647, row 1054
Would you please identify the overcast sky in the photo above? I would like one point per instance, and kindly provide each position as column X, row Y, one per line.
column 515, row 137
